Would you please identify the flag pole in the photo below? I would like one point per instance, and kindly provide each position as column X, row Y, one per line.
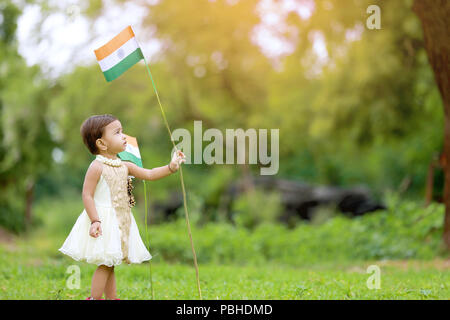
column 146, row 237
column 181, row 180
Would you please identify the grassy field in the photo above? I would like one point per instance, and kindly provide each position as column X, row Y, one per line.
column 326, row 261
column 26, row 272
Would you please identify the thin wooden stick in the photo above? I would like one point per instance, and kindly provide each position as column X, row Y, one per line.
column 147, row 240
column 182, row 183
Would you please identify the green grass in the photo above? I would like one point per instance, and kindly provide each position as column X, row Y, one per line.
column 325, row 261
column 27, row 273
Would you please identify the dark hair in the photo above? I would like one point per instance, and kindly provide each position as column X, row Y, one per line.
column 92, row 129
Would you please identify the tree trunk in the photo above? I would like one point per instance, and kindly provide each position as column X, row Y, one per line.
column 29, row 193
column 430, row 181
column 434, row 16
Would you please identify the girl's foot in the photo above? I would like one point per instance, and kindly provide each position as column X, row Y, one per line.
column 91, row 298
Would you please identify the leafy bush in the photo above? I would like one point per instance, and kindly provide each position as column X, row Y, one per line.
column 12, row 212
column 256, row 207
column 406, row 230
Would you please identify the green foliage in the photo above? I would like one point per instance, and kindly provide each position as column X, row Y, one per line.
column 195, row 205
column 370, row 114
column 12, row 210
column 405, row 231
column 9, row 14
column 256, row 207
column 26, row 145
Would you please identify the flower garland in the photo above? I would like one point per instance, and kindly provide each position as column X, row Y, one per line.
column 130, row 188
column 117, row 163
column 112, row 162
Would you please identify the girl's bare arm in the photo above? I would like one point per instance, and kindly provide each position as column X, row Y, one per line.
column 147, row 174
column 90, row 183
column 159, row 172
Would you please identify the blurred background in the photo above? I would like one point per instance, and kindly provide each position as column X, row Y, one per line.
column 359, row 114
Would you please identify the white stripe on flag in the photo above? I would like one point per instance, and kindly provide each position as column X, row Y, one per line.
column 118, row 55
column 133, row 150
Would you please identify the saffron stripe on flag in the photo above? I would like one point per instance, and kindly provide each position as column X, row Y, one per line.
column 114, row 44
column 131, row 152
column 115, row 57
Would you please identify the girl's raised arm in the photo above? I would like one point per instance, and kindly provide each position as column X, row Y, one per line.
column 148, row 174
column 157, row 173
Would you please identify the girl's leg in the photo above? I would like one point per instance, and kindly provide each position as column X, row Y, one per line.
column 110, row 287
column 99, row 281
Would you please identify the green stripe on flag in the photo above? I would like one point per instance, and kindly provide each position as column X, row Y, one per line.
column 126, row 156
column 123, row 65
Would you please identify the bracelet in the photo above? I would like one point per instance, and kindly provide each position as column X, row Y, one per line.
column 95, row 221
column 170, row 169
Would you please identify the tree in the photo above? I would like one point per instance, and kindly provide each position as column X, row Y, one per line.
column 434, row 16
column 26, row 145
column 208, row 46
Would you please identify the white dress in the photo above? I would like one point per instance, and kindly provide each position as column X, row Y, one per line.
column 120, row 239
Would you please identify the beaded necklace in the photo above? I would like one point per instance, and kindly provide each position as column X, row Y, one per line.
column 112, row 162
column 117, row 163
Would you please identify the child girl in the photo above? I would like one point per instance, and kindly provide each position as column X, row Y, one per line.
column 106, row 233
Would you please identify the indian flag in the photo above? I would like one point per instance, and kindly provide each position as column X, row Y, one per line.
column 119, row 54
column 131, row 153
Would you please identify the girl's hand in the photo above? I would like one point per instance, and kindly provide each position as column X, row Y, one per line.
column 177, row 159
column 95, row 230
